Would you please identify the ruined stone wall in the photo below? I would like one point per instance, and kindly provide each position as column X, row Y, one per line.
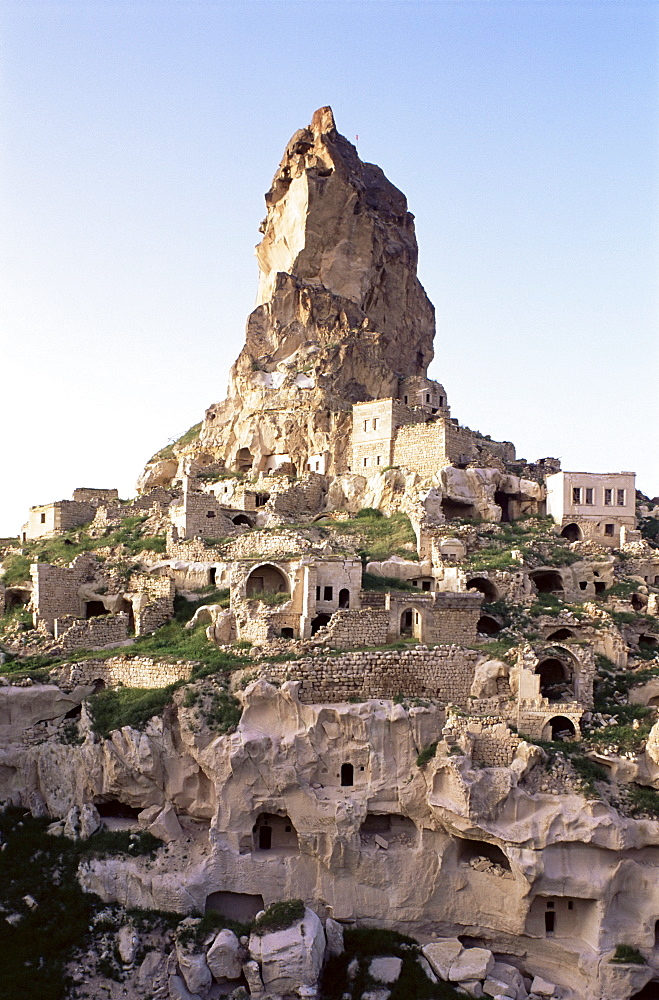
column 192, row 550
column 90, row 495
column 200, row 514
column 355, row 627
column 56, row 591
column 491, row 742
column 300, row 498
column 421, row 447
column 86, row 634
column 445, row 673
column 264, row 544
column 134, row 672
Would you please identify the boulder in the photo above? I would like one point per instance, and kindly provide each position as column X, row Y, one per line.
column 472, row 987
column 542, row 987
column 425, row 965
column 252, row 974
column 90, row 820
column 472, row 963
column 150, row 972
column 127, row 943
column 494, row 987
column 334, row 937
column 179, row 991
column 292, row 957
column 385, row 970
column 223, row 956
column 166, row 825
column 441, row 955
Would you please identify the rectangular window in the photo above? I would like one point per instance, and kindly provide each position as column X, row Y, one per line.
column 576, row 494
column 317, row 593
column 328, row 593
column 378, row 460
column 405, row 400
column 441, row 400
column 427, row 397
column 608, row 498
column 43, row 518
column 621, row 497
column 365, row 463
column 589, row 496
column 375, row 423
column 366, row 425
column 608, row 529
column 317, row 466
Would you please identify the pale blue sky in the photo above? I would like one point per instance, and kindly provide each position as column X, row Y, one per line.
column 138, row 140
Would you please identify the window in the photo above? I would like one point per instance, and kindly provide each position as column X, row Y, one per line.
column 589, row 496
column 405, row 400
column 608, row 529
column 366, row 425
column 576, row 494
column 365, row 463
column 328, row 593
column 347, row 775
column 608, row 498
column 378, row 460
column 317, row 466
column 317, row 593
column 210, row 513
column 375, row 423
column 620, row 494
column 43, row 518
column 427, row 397
column 441, row 400
column 425, row 585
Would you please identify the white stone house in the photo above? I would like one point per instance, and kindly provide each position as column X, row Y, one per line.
column 592, row 504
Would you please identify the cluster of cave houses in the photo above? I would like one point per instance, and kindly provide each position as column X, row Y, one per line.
column 285, row 587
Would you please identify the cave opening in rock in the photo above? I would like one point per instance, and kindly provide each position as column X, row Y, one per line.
column 487, row 625
column 547, row 581
column 473, row 850
column 244, row 460
column 649, row 992
column 241, row 906
column 561, row 634
column 503, row 501
column 274, row 833
column 572, row 532
column 485, row 586
column 94, row 609
column 116, row 809
column 454, row 510
column 242, row 519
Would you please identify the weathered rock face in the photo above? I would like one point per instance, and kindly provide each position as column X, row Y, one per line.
column 340, row 312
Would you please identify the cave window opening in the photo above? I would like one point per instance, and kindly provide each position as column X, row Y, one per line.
column 212, row 575
column 344, row 598
column 347, row 775
column 547, row 581
column 485, row 586
column 560, row 635
column 319, row 622
column 94, row 609
column 550, row 922
column 210, row 513
column 600, row 586
column 328, row 593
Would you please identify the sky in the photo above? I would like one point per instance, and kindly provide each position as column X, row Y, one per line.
column 137, row 140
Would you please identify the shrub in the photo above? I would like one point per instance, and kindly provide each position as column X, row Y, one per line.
column 134, row 707
column 628, row 954
column 643, row 800
column 279, row 916
column 426, row 754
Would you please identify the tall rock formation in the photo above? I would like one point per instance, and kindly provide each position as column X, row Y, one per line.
column 340, row 314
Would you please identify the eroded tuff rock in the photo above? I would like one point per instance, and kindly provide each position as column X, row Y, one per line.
column 340, row 313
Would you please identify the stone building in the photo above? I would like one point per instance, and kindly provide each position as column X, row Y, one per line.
column 592, row 504
column 46, row 520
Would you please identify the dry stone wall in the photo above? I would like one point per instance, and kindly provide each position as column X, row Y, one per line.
column 444, row 673
column 355, row 627
column 102, row 631
column 134, row 672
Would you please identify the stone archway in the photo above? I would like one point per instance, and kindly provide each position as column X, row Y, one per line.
column 560, row 728
column 572, row 532
column 547, row 581
column 266, row 579
column 555, row 678
column 485, row 586
column 487, row 625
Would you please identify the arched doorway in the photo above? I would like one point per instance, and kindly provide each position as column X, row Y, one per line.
column 319, row 622
column 547, row 581
column 266, row 579
column 274, row 833
column 347, row 775
column 485, row 586
column 407, row 622
column 555, row 678
column 344, row 598
column 572, row 532
column 487, row 625
column 561, row 728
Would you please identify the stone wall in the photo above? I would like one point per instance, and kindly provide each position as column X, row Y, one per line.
column 56, row 589
column 200, row 514
column 355, row 627
column 491, row 742
column 91, row 495
column 88, row 634
column 444, row 673
column 442, row 617
column 421, row 447
column 134, row 672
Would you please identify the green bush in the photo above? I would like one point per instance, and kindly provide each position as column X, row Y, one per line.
column 381, row 584
column 279, row 916
column 426, row 754
column 210, row 923
column 644, row 800
column 628, row 954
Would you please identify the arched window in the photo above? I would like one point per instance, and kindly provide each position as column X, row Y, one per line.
column 347, row 775
column 344, row 598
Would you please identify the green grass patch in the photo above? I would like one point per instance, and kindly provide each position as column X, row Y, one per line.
column 644, row 800
column 426, row 754
column 382, row 584
column 279, row 916
column 380, row 536
column 16, row 569
column 269, row 597
column 168, row 451
column 114, row 708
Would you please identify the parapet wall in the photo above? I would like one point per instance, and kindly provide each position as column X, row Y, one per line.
column 444, row 674
column 134, row 672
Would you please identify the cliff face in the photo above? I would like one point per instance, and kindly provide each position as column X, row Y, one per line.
column 340, row 313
